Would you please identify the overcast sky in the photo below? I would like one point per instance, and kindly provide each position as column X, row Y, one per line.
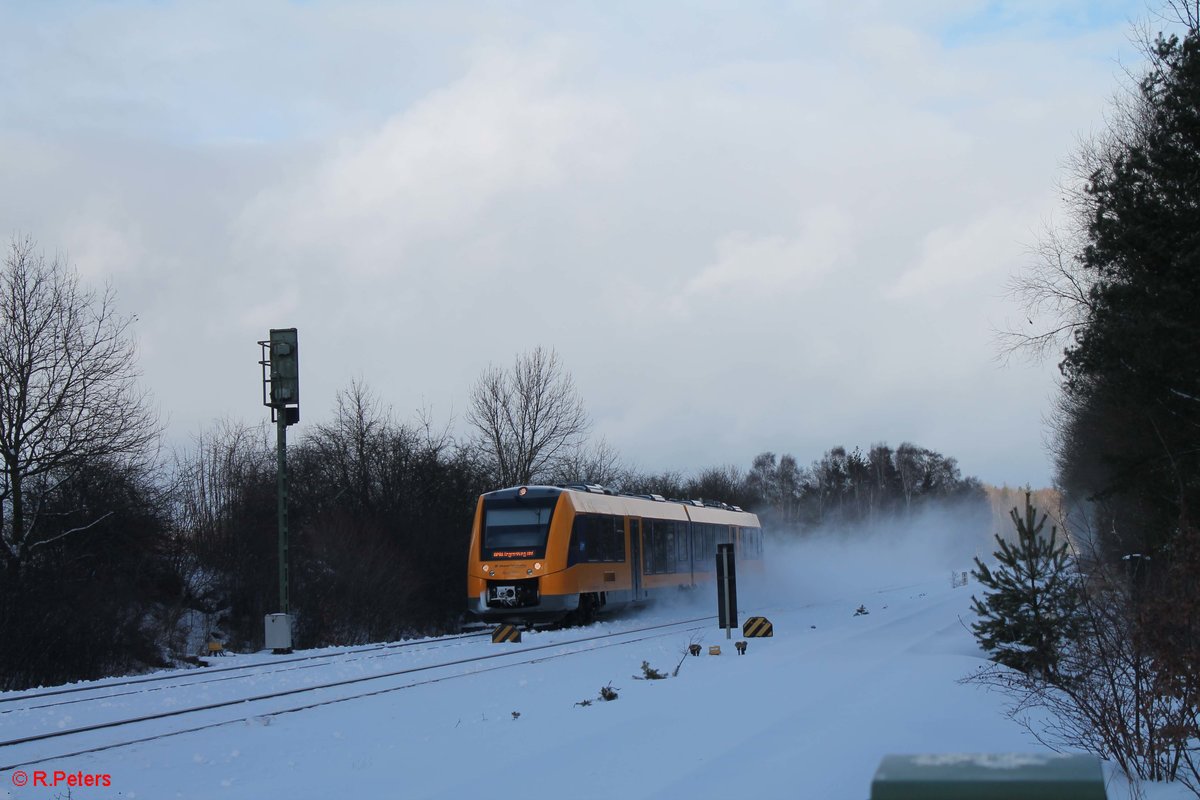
column 744, row 226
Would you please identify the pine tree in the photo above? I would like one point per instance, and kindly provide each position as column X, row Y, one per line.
column 1031, row 606
column 1132, row 370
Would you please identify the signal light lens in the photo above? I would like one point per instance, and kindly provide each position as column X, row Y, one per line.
column 522, row 491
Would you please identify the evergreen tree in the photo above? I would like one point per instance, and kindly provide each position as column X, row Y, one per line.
column 1031, row 605
column 1131, row 439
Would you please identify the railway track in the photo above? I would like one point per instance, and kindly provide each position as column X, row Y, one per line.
column 68, row 742
column 134, row 686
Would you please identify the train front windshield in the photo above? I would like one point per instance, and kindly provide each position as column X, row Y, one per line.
column 516, row 528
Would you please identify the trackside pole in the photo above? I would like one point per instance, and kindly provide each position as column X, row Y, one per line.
column 726, row 589
column 281, row 481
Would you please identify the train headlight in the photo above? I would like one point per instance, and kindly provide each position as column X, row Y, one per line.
column 537, row 565
column 485, row 568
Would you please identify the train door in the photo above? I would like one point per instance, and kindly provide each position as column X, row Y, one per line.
column 635, row 556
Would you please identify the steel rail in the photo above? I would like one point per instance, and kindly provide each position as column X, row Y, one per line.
column 207, row 671
column 347, row 682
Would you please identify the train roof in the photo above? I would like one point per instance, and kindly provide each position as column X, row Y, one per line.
column 596, row 499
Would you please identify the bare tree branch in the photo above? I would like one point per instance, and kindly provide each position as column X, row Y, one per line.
column 530, row 419
column 68, row 388
column 66, row 533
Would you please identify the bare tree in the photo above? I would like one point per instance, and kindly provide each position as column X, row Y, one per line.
column 354, row 444
column 775, row 487
column 529, row 418
column 597, row 462
column 224, row 487
column 1054, row 290
column 1053, row 293
column 909, row 468
column 668, row 484
column 68, row 391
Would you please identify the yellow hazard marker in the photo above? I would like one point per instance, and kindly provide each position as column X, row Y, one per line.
column 758, row 626
column 506, row 633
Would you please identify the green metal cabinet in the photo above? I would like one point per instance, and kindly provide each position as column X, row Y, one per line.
column 988, row 776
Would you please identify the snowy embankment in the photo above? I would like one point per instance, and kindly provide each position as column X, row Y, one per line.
column 807, row 713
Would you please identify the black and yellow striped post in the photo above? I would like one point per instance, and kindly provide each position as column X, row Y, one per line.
column 758, row 626
column 506, row 633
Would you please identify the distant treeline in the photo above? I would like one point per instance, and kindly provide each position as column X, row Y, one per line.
column 841, row 488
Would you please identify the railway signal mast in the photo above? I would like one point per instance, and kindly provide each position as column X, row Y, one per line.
column 281, row 393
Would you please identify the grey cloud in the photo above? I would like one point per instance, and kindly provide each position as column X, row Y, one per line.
column 785, row 228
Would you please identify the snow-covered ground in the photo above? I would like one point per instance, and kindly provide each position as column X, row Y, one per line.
column 807, row 713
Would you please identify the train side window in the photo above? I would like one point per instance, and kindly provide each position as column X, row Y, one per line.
column 683, row 547
column 614, row 539
column 598, row 546
column 596, row 539
column 577, row 549
column 649, row 549
column 648, row 535
column 666, row 547
column 660, row 547
column 703, row 537
column 650, row 563
column 681, row 542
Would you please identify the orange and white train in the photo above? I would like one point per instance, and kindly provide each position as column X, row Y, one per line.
column 545, row 553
